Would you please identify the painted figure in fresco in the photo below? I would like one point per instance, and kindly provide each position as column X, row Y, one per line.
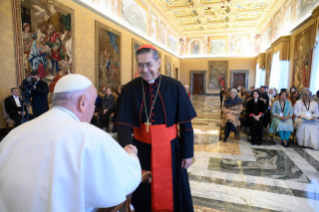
column 239, row 45
column 181, row 46
column 55, row 44
column 38, row 53
column 195, row 47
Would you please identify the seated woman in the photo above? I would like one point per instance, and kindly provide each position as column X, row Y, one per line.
column 271, row 95
column 231, row 109
column 282, row 113
column 306, row 115
column 255, row 113
column 294, row 97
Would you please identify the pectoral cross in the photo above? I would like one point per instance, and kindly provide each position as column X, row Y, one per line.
column 148, row 123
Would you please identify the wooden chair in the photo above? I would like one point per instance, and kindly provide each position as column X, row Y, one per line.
column 9, row 121
column 146, row 178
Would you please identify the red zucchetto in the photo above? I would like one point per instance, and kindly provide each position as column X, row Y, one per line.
column 147, row 46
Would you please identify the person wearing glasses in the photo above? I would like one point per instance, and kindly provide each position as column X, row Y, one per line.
column 282, row 112
column 306, row 119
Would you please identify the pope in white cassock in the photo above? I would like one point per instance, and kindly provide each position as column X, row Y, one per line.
column 59, row 162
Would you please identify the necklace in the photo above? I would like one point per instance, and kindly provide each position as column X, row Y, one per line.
column 282, row 107
column 306, row 105
column 148, row 116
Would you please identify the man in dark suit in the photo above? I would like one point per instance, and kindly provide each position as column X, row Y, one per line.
column 13, row 105
column 108, row 107
column 39, row 95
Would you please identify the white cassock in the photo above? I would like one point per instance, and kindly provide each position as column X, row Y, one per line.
column 57, row 163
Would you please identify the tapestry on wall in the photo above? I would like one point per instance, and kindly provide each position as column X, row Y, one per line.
column 135, row 46
column 217, row 75
column 268, row 67
column 107, row 56
column 168, row 66
column 302, row 59
column 43, row 34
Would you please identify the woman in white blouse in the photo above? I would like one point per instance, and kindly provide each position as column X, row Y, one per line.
column 306, row 120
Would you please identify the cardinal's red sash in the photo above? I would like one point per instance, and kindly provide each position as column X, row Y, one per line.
column 160, row 136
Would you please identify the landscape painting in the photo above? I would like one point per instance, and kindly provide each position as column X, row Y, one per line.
column 108, row 52
column 218, row 46
column 217, row 74
column 135, row 13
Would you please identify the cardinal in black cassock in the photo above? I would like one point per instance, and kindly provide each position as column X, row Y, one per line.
column 152, row 106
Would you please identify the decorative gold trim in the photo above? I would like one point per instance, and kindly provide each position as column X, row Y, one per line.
column 184, row 4
column 280, row 40
column 208, row 21
column 265, row 4
column 315, row 12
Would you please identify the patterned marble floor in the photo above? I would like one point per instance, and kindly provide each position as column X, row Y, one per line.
column 235, row 176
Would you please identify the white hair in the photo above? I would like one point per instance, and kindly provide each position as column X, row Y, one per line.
column 233, row 90
column 66, row 98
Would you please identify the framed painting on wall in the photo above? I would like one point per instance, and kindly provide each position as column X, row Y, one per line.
column 218, row 45
column 43, row 37
column 168, row 66
column 135, row 46
column 217, row 75
column 107, row 56
column 302, row 59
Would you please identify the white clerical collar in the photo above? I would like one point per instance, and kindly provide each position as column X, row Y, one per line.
column 151, row 82
column 68, row 112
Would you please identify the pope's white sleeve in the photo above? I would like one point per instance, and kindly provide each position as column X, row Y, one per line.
column 110, row 173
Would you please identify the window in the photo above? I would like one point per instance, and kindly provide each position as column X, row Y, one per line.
column 314, row 79
column 260, row 77
column 279, row 73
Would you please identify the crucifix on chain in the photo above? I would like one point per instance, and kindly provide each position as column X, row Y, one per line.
column 148, row 123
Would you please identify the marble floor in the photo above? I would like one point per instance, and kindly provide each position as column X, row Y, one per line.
column 236, row 176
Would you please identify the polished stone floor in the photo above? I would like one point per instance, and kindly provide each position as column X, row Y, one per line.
column 236, row 176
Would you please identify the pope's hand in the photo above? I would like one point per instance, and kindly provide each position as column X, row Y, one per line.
column 186, row 163
column 130, row 149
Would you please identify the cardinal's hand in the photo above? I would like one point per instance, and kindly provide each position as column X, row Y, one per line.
column 186, row 163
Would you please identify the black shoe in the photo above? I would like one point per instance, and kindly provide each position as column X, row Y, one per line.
column 285, row 143
column 225, row 139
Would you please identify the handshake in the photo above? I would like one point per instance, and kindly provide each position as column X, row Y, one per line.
column 131, row 149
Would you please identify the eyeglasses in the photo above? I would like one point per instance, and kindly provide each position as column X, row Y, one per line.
column 142, row 65
column 307, row 95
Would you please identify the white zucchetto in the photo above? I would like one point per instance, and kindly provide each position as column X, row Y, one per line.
column 72, row 82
